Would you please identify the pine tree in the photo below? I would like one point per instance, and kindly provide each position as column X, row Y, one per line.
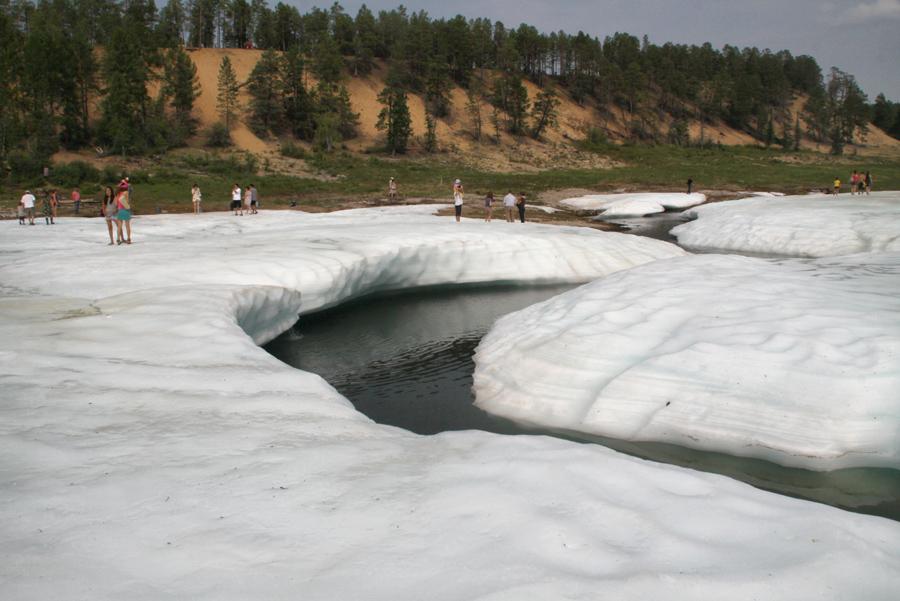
column 787, row 141
column 496, row 123
column 437, row 89
column 545, row 111
column 431, row 143
column 770, row 132
column 327, row 61
column 299, row 112
column 473, row 108
column 883, row 113
column 266, row 109
column 335, row 99
column 511, row 97
column 170, row 28
column 181, row 87
column 394, row 119
column 327, row 133
column 126, row 110
column 227, row 97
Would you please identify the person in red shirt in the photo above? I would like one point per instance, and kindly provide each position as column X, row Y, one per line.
column 76, row 200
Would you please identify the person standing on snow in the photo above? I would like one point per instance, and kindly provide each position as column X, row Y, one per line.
column 509, row 203
column 458, row 199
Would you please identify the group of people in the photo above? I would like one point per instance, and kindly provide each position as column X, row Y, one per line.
column 49, row 205
column 859, row 183
column 116, row 208
column 28, row 205
column 511, row 204
column 241, row 200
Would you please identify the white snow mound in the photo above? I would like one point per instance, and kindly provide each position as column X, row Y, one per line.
column 633, row 204
column 816, row 225
column 795, row 361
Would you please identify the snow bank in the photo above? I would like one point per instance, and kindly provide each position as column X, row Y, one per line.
column 150, row 449
column 794, row 361
column 633, row 205
column 810, row 226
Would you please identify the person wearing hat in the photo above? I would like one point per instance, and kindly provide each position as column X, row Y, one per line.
column 458, row 198
column 123, row 213
column 392, row 190
column 27, row 201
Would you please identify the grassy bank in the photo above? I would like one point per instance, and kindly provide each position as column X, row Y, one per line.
column 348, row 180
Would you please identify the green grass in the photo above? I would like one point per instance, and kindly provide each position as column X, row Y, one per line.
column 353, row 178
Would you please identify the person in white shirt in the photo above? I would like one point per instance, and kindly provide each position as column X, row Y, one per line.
column 458, row 198
column 236, row 200
column 196, row 198
column 509, row 203
column 27, row 202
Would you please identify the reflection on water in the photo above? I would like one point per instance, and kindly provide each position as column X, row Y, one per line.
column 406, row 360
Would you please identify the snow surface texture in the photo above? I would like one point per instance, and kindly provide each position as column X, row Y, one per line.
column 816, row 225
column 633, row 205
column 150, row 449
column 793, row 361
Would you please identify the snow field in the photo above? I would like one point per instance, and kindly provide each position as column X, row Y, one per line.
column 150, row 449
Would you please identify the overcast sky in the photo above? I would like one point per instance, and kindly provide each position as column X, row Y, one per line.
column 862, row 37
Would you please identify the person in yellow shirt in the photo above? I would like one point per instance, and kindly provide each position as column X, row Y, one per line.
column 837, row 186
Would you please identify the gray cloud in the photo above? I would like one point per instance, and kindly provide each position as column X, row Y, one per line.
column 859, row 37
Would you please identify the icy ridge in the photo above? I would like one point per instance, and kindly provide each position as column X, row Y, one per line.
column 793, row 361
column 814, row 225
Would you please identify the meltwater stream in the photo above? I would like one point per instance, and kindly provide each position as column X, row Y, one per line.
column 406, row 360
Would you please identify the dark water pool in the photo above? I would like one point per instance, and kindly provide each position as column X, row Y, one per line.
column 406, row 360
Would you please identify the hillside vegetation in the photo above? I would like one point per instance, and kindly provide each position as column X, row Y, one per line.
column 194, row 88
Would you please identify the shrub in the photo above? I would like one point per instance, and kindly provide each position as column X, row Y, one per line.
column 218, row 136
column 25, row 167
column 291, row 150
column 74, row 174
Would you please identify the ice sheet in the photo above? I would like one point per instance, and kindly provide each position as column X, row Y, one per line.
column 815, row 225
column 150, row 449
column 633, row 204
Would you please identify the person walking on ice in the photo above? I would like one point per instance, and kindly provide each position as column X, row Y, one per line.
column 236, row 200
column 28, row 201
column 457, row 199
column 837, row 186
column 509, row 203
column 196, row 198
column 488, row 206
column 392, row 190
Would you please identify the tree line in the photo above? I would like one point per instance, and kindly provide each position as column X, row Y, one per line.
column 51, row 73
